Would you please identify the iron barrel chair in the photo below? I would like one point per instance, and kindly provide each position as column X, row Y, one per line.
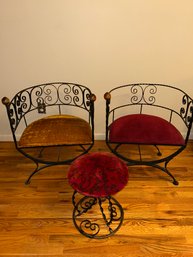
column 52, row 123
column 148, row 116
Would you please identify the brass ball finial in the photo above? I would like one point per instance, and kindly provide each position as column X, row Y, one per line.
column 5, row 100
column 107, row 96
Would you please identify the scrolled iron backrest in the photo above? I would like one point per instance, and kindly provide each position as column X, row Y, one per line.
column 40, row 97
column 146, row 94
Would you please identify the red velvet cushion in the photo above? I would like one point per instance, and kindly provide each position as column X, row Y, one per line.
column 144, row 129
column 98, row 174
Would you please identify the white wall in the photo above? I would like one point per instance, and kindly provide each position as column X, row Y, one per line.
column 98, row 43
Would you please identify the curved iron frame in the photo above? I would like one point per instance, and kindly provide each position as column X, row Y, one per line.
column 92, row 229
column 39, row 98
column 145, row 94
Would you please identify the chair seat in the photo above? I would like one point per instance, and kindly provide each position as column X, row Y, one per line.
column 56, row 130
column 144, row 129
column 98, row 174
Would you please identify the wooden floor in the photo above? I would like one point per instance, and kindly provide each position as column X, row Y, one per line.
column 36, row 220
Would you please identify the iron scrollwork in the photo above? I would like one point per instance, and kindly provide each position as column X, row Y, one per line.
column 143, row 94
column 41, row 96
column 87, row 225
column 84, row 204
column 186, row 111
column 18, row 107
column 112, row 216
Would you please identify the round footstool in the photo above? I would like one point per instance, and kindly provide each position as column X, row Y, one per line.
column 94, row 178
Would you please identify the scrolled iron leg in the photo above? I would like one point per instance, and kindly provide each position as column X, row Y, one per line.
column 115, row 214
column 84, row 225
column 175, row 182
column 27, row 182
column 158, row 151
column 38, row 168
column 112, row 216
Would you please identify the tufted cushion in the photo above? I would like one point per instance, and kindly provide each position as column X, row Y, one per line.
column 56, row 130
column 98, row 174
column 144, row 129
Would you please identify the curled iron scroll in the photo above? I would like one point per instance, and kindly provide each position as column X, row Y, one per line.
column 186, row 111
column 143, row 94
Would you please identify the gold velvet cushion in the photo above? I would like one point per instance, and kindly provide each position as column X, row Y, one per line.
column 56, row 130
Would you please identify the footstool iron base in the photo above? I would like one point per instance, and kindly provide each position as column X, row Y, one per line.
column 95, row 177
column 110, row 209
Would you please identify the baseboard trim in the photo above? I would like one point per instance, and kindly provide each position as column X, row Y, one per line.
column 5, row 138
column 98, row 136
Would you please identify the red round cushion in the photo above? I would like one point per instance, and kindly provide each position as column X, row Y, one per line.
column 144, row 129
column 98, row 174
